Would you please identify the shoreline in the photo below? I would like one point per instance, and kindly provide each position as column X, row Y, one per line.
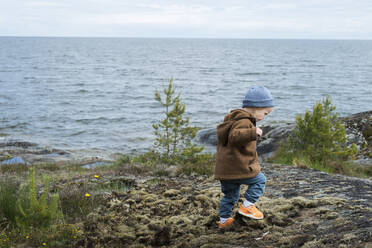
column 358, row 128
column 33, row 153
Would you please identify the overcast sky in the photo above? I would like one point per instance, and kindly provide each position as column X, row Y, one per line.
column 317, row 19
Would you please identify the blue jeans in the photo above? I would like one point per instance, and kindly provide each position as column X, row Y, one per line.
column 231, row 190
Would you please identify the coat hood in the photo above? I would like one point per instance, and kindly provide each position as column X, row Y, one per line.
column 223, row 129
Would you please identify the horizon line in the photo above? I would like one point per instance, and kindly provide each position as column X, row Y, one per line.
column 170, row 37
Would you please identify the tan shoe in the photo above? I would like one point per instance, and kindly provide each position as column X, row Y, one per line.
column 226, row 224
column 251, row 212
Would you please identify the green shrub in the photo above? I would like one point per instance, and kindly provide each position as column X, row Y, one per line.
column 34, row 212
column 60, row 235
column 115, row 184
column 202, row 164
column 9, row 188
column 319, row 135
column 77, row 201
column 49, row 166
column 5, row 240
column 63, row 235
column 199, row 169
column 21, row 206
column 318, row 141
column 148, row 159
column 30, row 219
column 137, row 164
column 13, row 168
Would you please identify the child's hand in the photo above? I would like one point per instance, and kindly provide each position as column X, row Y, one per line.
column 259, row 131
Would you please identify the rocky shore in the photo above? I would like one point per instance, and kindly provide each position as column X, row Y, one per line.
column 13, row 151
column 358, row 131
column 302, row 208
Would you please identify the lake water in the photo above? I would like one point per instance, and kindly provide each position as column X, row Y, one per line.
column 98, row 93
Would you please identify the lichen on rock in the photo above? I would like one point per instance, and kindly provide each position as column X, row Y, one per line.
column 183, row 212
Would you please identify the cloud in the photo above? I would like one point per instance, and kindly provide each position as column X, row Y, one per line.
column 155, row 14
column 191, row 18
column 142, row 19
column 42, row 4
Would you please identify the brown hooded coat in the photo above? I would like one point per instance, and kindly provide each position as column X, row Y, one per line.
column 236, row 156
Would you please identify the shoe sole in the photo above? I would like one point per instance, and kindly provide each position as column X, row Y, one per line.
column 250, row 216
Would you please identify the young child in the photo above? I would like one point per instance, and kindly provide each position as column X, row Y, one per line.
column 237, row 161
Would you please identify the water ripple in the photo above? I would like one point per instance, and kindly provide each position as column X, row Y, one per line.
column 84, row 93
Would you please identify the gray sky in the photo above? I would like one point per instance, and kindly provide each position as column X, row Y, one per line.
column 318, row 19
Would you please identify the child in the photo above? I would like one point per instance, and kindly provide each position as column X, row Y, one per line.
column 236, row 156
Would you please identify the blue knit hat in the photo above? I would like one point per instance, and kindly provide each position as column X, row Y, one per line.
column 258, row 97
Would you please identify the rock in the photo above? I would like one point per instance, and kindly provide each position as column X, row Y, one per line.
column 15, row 160
column 96, row 164
column 302, row 208
column 273, row 136
column 267, row 144
column 166, row 170
column 358, row 131
column 52, row 158
column 207, row 136
column 21, row 144
column 172, row 170
column 35, row 154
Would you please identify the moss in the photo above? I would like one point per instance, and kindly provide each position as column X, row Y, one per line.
column 180, row 220
column 331, row 215
column 154, row 181
column 150, row 198
column 183, row 212
column 137, row 246
column 340, row 221
column 322, row 211
column 186, row 189
column 302, row 202
column 254, row 224
column 349, row 236
column 295, row 240
column 313, row 244
column 171, row 192
column 126, row 233
column 205, row 200
column 331, row 201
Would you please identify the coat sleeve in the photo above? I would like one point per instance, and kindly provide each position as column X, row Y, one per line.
column 242, row 134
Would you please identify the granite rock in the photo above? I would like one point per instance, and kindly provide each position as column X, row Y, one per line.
column 302, row 208
column 358, row 131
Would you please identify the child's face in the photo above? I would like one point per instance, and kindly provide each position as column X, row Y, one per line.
column 260, row 113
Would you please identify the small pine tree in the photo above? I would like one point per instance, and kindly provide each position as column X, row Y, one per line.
column 173, row 133
column 320, row 135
